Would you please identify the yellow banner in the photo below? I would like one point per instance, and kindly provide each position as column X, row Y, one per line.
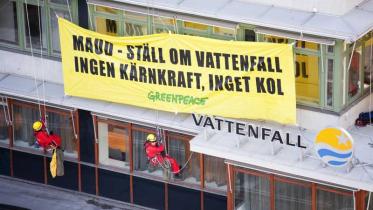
column 179, row 73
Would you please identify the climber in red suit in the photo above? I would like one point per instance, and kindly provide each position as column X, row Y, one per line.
column 155, row 154
column 45, row 140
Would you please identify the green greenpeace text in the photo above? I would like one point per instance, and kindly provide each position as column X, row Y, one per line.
column 176, row 98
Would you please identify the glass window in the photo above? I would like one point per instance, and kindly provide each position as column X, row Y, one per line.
column 135, row 24
column 35, row 15
column 61, row 125
column 4, row 136
column 215, row 173
column 107, row 26
column 330, row 49
column 331, row 200
column 368, row 60
column 178, row 148
column 63, row 2
column 227, row 32
column 330, row 82
column 251, row 192
column 8, row 23
column 106, row 10
column 114, row 144
column 23, row 118
column 292, row 196
column 140, row 161
column 195, row 26
column 163, row 24
column 54, row 28
column 276, row 39
column 250, row 35
column 353, row 73
column 307, row 78
column 369, row 202
column 307, row 45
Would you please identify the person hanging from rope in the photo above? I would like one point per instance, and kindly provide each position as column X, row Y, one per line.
column 155, row 152
column 50, row 141
column 45, row 139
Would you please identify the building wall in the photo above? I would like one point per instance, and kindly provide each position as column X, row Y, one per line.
column 334, row 7
column 26, row 65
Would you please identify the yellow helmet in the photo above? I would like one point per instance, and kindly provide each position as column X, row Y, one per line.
column 37, row 125
column 151, row 137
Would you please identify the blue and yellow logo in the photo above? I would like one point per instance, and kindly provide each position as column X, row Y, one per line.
column 334, row 146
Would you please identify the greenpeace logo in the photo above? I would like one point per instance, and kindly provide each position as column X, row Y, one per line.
column 176, row 98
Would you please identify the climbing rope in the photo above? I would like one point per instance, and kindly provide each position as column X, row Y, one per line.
column 32, row 55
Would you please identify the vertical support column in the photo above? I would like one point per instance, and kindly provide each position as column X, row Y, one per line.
column 166, row 196
column 11, row 136
column 272, row 191
column 94, row 119
column 230, row 178
column 313, row 197
column 131, row 162
column 202, row 177
column 76, row 120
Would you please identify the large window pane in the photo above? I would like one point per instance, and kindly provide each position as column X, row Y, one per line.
column 353, row 72
column 106, row 10
column 8, row 22
column 163, row 24
column 276, row 39
column 4, row 137
column 329, row 87
column 307, row 45
column 250, row 35
column 23, row 118
column 135, row 24
column 195, row 26
column 140, row 160
column 113, row 144
column 368, row 60
column 61, row 125
column 62, row 2
column 227, row 32
column 307, row 78
column 251, row 192
column 32, row 15
column 290, row 196
column 328, row 200
column 107, row 26
column 178, row 148
column 54, row 28
column 215, row 173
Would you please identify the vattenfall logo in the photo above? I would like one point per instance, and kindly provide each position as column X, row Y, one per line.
column 334, row 146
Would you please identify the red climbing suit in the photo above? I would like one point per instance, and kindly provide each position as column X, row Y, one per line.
column 153, row 153
column 46, row 140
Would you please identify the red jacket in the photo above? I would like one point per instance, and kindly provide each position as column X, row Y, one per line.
column 45, row 140
column 152, row 151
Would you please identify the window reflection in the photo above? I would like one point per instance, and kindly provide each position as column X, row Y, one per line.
column 34, row 29
column 8, row 23
column 107, row 26
column 307, row 78
column 353, row 73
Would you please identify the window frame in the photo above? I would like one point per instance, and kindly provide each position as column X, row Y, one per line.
column 47, row 108
column 233, row 170
column 46, row 6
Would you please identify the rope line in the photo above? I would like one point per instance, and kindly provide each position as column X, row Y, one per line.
column 32, row 55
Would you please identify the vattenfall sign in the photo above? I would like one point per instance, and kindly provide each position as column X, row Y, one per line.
column 180, row 73
column 261, row 133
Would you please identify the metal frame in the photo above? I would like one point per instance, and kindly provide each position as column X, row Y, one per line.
column 358, row 196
